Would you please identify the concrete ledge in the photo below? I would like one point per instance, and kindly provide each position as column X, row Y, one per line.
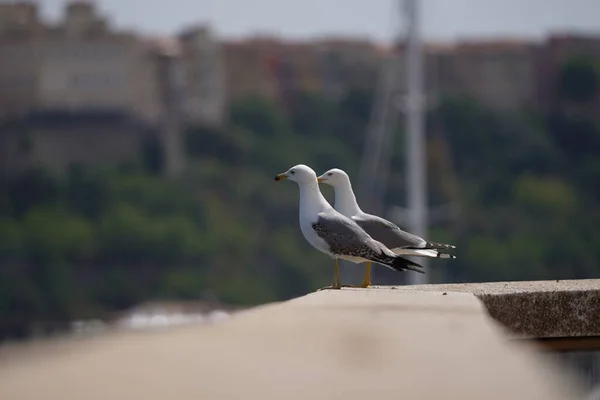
column 348, row 344
column 535, row 309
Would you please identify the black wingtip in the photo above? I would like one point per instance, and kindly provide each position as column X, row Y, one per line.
column 403, row 264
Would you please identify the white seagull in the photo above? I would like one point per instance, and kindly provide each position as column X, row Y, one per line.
column 382, row 230
column 334, row 234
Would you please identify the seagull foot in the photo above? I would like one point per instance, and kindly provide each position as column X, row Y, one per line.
column 335, row 287
column 361, row 286
column 329, row 288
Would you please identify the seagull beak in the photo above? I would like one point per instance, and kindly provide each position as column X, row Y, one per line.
column 321, row 179
column 280, row 177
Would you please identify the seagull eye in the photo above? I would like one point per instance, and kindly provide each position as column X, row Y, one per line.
column 329, row 174
column 292, row 172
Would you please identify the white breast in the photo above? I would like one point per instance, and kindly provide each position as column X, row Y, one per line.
column 312, row 203
column 311, row 236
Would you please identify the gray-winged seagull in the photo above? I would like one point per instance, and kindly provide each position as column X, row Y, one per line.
column 335, row 234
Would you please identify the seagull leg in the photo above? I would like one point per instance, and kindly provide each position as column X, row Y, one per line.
column 367, row 280
column 336, row 277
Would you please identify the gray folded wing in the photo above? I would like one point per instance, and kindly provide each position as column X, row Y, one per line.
column 388, row 233
column 345, row 237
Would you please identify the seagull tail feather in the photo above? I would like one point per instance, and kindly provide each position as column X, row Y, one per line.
column 430, row 249
column 422, row 252
column 439, row 246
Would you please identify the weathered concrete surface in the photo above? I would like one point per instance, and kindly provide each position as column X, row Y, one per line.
column 348, row 344
column 538, row 309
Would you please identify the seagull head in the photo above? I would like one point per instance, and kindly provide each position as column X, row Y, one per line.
column 334, row 177
column 300, row 174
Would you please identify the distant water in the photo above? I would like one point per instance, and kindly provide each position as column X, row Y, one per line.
column 148, row 319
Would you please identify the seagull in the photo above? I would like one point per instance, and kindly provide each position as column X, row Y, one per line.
column 334, row 234
column 382, row 230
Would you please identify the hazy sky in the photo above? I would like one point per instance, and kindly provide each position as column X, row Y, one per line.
column 442, row 19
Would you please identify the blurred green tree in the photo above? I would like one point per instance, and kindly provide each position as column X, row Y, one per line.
column 579, row 79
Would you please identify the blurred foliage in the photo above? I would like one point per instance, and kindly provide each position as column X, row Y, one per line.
column 90, row 241
column 579, row 79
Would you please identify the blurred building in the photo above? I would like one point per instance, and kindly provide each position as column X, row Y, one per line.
column 72, row 92
column 552, row 55
column 292, row 68
column 349, row 63
column 79, row 64
column 204, row 74
column 270, row 67
column 248, row 68
column 499, row 74
column 64, row 84
column 275, row 68
column 506, row 75
column 19, row 28
column 60, row 82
